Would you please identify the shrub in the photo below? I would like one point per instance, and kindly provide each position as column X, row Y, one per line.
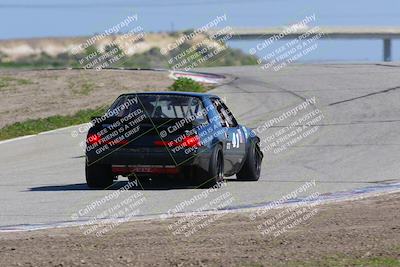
column 187, row 85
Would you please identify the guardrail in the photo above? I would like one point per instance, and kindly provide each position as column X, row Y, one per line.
column 387, row 34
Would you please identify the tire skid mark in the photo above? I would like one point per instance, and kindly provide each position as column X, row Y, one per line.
column 367, row 95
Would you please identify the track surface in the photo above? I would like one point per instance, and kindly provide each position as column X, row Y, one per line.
column 356, row 145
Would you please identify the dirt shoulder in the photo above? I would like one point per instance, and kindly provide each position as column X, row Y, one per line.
column 33, row 94
column 358, row 233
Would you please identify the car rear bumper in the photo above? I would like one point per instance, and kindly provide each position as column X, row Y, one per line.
column 148, row 169
column 153, row 162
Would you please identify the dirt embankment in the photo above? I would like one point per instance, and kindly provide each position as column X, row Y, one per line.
column 130, row 44
column 30, row 94
column 360, row 233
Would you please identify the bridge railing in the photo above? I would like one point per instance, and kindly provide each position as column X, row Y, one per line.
column 386, row 34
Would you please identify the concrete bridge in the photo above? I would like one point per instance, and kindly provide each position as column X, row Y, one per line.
column 386, row 34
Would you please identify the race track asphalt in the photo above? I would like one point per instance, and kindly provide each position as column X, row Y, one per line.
column 356, row 144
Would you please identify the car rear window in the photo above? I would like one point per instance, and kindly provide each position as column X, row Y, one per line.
column 161, row 106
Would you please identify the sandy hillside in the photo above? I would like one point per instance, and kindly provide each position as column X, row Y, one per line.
column 31, row 94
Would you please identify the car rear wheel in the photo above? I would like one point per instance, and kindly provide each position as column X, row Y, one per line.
column 251, row 168
column 98, row 175
column 215, row 173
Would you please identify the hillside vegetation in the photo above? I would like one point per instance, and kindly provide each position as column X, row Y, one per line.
column 141, row 53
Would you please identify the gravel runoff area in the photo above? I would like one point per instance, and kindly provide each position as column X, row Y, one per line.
column 364, row 232
column 34, row 94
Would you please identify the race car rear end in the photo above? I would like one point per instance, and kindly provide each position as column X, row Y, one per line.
column 147, row 135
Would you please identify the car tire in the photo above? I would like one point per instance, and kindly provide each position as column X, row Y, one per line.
column 98, row 175
column 251, row 168
column 215, row 174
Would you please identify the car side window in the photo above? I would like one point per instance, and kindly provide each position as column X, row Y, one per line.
column 229, row 116
column 218, row 107
column 225, row 113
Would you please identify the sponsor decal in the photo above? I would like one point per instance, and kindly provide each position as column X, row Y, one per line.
column 245, row 132
column 235, row 140
column 240, row 136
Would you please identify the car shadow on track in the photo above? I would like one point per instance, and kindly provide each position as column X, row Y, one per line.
column 141, row 185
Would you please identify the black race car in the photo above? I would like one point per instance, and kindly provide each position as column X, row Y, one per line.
column 188, row 135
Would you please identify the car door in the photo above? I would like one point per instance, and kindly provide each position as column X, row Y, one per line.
column 228, row 157
column 236, row 137
column 234, row 145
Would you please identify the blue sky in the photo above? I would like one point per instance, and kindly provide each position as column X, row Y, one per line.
column 40, row 19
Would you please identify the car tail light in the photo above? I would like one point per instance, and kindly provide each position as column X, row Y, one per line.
column 161, row 143
column 121, row 142
column 188, row 141
column 93, row 139
column 191, row 141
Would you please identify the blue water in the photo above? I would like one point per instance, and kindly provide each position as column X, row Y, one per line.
column 40, row 18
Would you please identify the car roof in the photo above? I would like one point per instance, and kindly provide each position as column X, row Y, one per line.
column 201, row 95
